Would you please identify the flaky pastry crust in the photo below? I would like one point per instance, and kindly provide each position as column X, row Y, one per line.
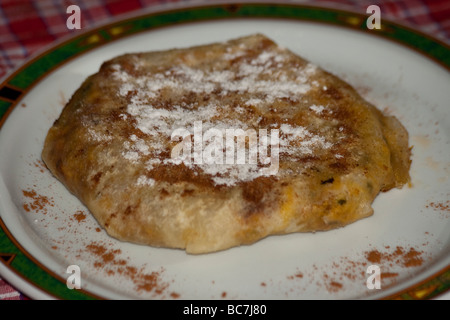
column 112, row 147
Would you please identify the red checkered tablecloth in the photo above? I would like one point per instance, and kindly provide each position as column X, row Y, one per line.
column 27, row 26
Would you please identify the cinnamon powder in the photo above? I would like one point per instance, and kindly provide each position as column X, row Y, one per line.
column 40, row 165
column 37, row 203
column 334, row 286
column 440, row 206
column 108, row 260
column 79, row 216
column 334, row 277
column 400, row 256
column 297, row 275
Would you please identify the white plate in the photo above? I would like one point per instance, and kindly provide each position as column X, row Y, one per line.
column 408, row 232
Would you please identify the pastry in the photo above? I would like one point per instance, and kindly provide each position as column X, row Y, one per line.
column 216, row 146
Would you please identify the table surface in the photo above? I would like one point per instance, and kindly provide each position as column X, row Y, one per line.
column 27, row 26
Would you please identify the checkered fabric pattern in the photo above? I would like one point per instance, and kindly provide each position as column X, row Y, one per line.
column 7, row 292
column 27, row 26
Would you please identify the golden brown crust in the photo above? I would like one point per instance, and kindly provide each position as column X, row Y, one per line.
column 111, row 147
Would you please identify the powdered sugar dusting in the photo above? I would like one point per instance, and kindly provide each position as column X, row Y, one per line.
column 317, row 109
column 299, row 141
column 145, row 181
column 98, row 136
column 259, row 79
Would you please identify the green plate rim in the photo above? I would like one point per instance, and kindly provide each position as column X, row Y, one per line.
column 23, row 79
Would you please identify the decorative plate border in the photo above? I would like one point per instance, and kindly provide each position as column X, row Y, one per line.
column 25, row 266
